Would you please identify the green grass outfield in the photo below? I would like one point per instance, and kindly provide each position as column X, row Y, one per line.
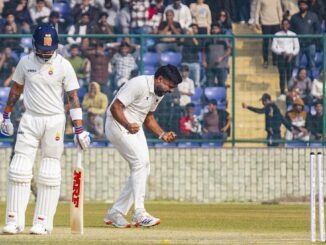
column 181, row 223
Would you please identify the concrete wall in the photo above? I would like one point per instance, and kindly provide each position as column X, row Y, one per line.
column 195, row 175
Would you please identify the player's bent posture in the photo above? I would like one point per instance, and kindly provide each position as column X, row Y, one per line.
column 42, row 76
column 134, row 105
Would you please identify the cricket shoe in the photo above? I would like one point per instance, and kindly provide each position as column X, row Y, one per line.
column 142, row 218
column 11, row 228
column 115, row 218
column 38, row 229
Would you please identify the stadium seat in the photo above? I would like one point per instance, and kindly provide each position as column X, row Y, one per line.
column 62, row 7
column 212, row 145
column 149, row 70
column 198, row 109
column 319, row 59
column 165, row 145
column 69, row 145
column 197, row 97
column 151, row 58
column 81, row 93
column 295, row 72
column 316, row 145
column 188, row 145
column 4, row 93
column 172, row 58
column 303, row 61
column 218, row 93
column 296, row 144
column 98, row 144
column 5, row 144
column 315, row 73
column 26, row 42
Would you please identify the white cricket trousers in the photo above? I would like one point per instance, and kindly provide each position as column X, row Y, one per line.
column 133, row 148
column 35, row 130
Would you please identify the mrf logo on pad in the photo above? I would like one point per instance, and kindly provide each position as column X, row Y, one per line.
column 47, row 40
column 76, row 188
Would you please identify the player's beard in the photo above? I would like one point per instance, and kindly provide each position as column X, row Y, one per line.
column 44, row 56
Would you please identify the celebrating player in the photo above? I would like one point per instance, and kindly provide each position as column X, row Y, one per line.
column 134, row 105
column 42, row 76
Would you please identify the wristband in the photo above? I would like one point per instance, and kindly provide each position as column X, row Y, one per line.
column 76, row 114
column 79, row 130
column 6, row 115
column 161, row 135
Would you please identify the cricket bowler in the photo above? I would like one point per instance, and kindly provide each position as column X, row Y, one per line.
column 133, row 106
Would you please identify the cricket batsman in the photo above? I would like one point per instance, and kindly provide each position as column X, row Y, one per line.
column 133, row 106
column 42, row 77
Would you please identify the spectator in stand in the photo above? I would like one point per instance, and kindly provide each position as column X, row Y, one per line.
column 124, row 18
column 318, row 8
column 112, row 8
column 273, row 119
column 190, row 50
column 39, row 13
column 13, row 43
column 253, row 5
column 79, row 64
column 307, row 23
column 290, row 6
column 168, row 28
column 94, row 125
column 186, row 88
column 182, row 14
column 241, row 11
column 102, row 26
column 82, row 8
column 95, row 104
column 215, row 57
column 202, row 16
column 83, row 27
column 225, row 22
column 298, row 118
column 315, row 122
column 123, row 64
column 23, row 17
column 139, row 16
column 190, row 127
column 7, row 67
column 11, row 20
column 59, row 25
column 301, row 85
column 216, row 123
column 268, row 19
column 156, row 12
column 317, row 87
column 99, row 60
column 286, row 50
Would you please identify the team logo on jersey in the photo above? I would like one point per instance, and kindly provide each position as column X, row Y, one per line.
column 57, row 136
column 47, row 40
column 50, row 71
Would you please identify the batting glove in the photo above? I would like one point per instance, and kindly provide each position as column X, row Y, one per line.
column 82, row 138
column 7, row 129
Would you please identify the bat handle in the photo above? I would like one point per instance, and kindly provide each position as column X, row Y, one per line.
column 79, row 158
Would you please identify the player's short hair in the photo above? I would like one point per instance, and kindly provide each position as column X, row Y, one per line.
column 169, row 72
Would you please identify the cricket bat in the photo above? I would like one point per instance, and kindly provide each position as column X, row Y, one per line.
column 77, row 197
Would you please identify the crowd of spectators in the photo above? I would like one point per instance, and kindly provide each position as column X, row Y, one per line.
column 108, row 62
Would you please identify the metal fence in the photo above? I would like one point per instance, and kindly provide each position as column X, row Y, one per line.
column 245, row 77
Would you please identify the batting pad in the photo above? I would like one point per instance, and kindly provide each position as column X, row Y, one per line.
column 48, row 192
column 19, row 185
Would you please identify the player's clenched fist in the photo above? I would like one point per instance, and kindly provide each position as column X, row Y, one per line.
column 132, row 128
column 82, row 138
column 7, row 128
column 169, row 136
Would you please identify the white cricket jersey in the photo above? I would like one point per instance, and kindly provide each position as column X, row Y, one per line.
column 45, row 83
column 138, row 97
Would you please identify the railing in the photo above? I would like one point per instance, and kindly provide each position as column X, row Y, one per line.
column 247, row 81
